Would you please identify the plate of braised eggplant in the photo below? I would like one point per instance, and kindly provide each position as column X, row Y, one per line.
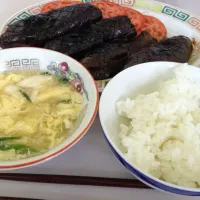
column 107, row 37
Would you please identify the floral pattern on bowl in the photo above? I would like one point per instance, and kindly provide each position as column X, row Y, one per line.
column 63, row 71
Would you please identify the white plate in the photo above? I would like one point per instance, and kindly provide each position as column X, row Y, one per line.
column 177, row 21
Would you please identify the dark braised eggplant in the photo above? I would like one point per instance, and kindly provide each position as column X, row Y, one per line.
column 37, row 29
column 174, row 49
column 74, row 44
column 105, row 61
column 144, row 40
column 115, row 28
column 109, row 58
column 138, row 43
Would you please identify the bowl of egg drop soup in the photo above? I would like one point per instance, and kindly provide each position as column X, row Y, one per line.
column 48, row 102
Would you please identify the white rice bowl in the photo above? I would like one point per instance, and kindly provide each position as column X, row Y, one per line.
column 162, row 136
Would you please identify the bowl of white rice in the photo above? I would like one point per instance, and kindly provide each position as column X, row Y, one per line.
column 150, row 116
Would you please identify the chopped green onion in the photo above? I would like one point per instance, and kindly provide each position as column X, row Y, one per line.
column 45, row 73
column 2, row 139
column 19, row 148
column 66, row 101
column 25, row 95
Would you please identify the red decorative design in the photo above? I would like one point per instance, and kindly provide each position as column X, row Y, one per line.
column 195, row 22
column 128, row 2
column 35, row 10
column 77, row 85
column 64, row 67
column 115, row 1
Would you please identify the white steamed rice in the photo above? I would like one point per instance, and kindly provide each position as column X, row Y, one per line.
column 163, row 135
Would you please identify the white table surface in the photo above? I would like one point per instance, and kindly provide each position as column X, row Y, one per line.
column 85, row 151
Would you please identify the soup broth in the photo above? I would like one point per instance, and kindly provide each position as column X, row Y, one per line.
column 37, row 111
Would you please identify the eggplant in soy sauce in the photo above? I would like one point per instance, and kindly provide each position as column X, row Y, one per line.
column 174, row 49
column 76, row 43
column 37, row 29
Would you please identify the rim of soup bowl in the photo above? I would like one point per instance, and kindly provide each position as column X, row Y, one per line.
column 118, row 153
column 22, row 163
